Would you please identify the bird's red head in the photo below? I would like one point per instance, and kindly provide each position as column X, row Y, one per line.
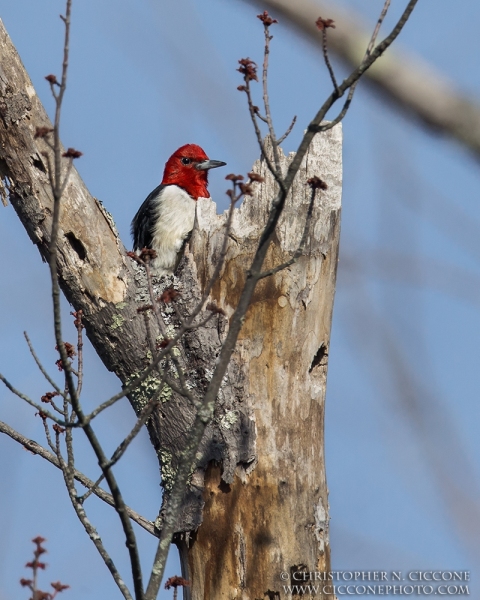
column 188, row 168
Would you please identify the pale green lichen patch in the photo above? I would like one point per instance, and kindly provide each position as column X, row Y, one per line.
column 167, row 471
column 118, row 321
column 120, row 305
column 170, row 331
column 145, row 391
column 228, row 419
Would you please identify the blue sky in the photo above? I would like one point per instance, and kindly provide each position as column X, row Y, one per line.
column 402, row 403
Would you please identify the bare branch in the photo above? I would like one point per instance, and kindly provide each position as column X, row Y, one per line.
column 120, row 506
column 41, row 409
column 287, row 133
column 48, row 399
column 368, row 52
column 40, row 366
column 48, row 436
column 57, row 195
column 411, row 84
column 79, row 325
column 301, row 247
column 57, row 191
column 324, row 25
column 258, row 133
column 261, row 117
column 142, row 419
column 381, row 18
column 315, row 125
column 93, row 534
column 67, row 175
column 266, row 99
column 36, row 448
column 92, row 490
column 148, row 329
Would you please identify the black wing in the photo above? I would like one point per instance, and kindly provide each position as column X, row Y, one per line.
column 143, row 223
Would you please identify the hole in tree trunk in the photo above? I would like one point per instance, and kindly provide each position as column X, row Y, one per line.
column 319, row 356
column 38, row 164
column 77, row 245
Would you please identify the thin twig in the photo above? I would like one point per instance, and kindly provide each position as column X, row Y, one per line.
column 327, row 59
column 120, row 506
column 142, row 419
column 78, row 324
column 67, row 176
column 56, row 190
column 31, row 402
column 266, row 99
column 204, row 322
column 287, row 133
column 381, row 18
column 36, row 448
column 258, row 133
column 40, row 366
column 148, row 330
column 90, row 491
column 47, row 435
column 301, row 247
column 368, row 52
column 50, row 170
column 91, row 530
column 315, row 126
column 160, row 321
column 119, row 452
column 69, row 469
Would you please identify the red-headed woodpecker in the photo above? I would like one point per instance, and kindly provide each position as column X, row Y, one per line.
column 165, row 220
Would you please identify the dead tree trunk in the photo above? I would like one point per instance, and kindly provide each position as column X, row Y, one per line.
column 275, row 518
column 260, row 478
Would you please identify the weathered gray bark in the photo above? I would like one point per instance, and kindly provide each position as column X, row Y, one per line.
column 265, row 494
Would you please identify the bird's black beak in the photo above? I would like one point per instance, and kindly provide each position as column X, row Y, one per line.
column 209, row 164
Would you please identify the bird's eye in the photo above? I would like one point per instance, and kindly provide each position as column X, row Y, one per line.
column 186, row 161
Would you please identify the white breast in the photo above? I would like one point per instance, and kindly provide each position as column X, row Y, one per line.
column 175, row 212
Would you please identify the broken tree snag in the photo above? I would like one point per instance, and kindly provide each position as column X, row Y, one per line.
column 274, row 518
